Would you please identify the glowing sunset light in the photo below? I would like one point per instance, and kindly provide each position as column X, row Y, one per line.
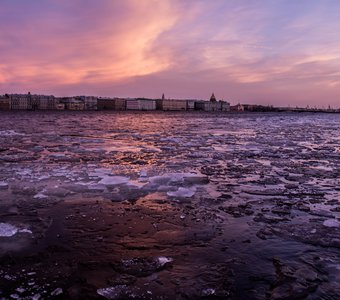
column 282, row 52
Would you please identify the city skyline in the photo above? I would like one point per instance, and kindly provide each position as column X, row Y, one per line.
column 265, row 52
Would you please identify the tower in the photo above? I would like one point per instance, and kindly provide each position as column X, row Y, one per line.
column 213, row 98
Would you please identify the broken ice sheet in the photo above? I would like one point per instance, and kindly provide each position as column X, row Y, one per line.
column 183, row 192
column 8, row 230
column 113, row 180
column 3, row 185
column 331, row 223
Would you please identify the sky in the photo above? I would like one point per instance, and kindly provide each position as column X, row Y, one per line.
column 270, row 52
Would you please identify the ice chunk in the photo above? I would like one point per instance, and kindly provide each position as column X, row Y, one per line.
column 40, row 195
column 25, row 231
column 208, row 292
column 331, row 223
column 143, row 176
column 162, row 260
column 196, row 179
column 183, row 192
column 57, row 291
column 3, row 185
column 9, row 133
column 7, row 230
column 113, row 292
column 113, row 180
column 20, row 290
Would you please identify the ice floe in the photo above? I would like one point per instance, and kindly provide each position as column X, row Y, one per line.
column 9, row 133
column 331, row 223
column 162, row 260
column 3, row 185
column 183, row 192
column 8, row 230
column 113, row 180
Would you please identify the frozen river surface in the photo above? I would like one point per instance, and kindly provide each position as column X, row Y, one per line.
column 169, row 206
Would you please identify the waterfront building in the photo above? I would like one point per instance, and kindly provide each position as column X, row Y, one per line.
column 45, row 102
column 171, row 104
column 60, row 106
column 140, row 104
column 20, row 102
column 75, row 104
column 212, row 105
column 5, row 102
column 111, row 104
column 237, row 107
column 190, row 104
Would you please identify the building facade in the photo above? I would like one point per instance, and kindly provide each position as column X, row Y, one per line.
column 140, row 104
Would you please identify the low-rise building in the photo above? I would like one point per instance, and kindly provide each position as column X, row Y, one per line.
column 111, row 104
column 225, row 106
column 171, row 104
column 60, row 106
column 140, row 104
column 237, row 107
column 191, row 104
column 212, row 105
column 90, row 102
column 21, row 102
column 46, row 102
column 5, row 102
column 75, row 105
column 105, row 103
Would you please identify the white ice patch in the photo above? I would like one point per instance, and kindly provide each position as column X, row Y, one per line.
column 8, row 230
column 3, row 185
column 25, row 231
column 40, row 195
column 183, row 192
column 9, row 133
column 114, row 180
column 57, row 291
column 143, row 176
column 331, row 223
column 113, row 292
column 162, row 260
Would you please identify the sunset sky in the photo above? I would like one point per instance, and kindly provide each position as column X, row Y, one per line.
column 280, row 52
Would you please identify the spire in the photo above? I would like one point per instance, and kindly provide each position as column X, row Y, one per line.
column 163, row 97
column 213, row 98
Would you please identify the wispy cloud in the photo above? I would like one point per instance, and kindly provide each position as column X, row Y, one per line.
column 280, row 51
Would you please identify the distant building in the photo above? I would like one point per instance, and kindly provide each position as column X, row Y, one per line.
column 5, row 102
column 111, row 104
column 20, row 102
column 72, row 103
column 60, row 106
column 140, row 104
column 45, row 102
column 90, row 102
column 237, row 107
column 75, row 106
column 213, row 105
column 191, row 104
column 213, row 98
column 171, row 104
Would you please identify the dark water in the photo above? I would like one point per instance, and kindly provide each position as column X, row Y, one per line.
column 99, row 205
